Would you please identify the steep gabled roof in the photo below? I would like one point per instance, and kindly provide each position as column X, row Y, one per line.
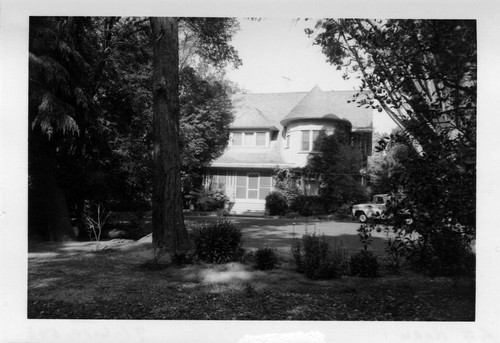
column 270, row 110
column 248, row 116
column 275, row 107
column 315, row 105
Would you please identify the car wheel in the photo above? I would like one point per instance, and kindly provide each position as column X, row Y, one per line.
column 362, row 218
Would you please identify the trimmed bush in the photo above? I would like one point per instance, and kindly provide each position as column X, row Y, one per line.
column 276, row 204
column 314, row 257
column 211, row 200
column 266, row 259
column 364, row 264
column 218, row 242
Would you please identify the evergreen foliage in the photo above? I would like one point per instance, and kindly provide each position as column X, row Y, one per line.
column 339, row 165
column 90, row 105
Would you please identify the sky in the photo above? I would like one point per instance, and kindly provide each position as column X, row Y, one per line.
column 279, row 57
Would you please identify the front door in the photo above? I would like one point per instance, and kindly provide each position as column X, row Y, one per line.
column 253, row 186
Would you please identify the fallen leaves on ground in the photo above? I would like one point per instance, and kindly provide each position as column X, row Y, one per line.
column 114, row 285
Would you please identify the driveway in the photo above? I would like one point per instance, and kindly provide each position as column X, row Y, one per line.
column 279, row 232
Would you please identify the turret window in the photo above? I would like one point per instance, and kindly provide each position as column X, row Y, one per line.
column 311, row 139
column 306, row 137
column 316, row 135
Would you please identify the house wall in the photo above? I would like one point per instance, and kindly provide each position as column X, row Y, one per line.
column 293, row 152
column 246, row 188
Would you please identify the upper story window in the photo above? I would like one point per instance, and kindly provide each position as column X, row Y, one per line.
column 311, row 140
column 306, row 138
column 249, row 138
column 316, row 135
column 260, row 138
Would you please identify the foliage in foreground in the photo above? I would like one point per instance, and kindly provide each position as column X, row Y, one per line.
column 90, row 113
column 364, row 264
column 400, row 299
column 218, row 242
column 266, row 258
column 423, row 74
column 314, row 257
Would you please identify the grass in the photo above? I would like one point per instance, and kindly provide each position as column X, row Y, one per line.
column 71, row 280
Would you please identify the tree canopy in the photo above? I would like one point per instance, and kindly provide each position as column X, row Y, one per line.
column 339, row 165
column 423, row 74
column 91, row 107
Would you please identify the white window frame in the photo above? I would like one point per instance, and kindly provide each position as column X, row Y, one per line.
column 253, row 189
column 259, row 179
column 311, row 139
column 302, row 132
column 251, row 138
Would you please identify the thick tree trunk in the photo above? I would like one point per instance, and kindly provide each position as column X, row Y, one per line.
column 169, row 232
column 52, row 199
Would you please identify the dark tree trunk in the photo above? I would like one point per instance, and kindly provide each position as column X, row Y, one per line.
column 50, row 197
column 169, row 231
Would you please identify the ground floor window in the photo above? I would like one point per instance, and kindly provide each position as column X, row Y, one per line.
column 241, row 185
column 253, row 185
column 218, row 181
column 311, row 186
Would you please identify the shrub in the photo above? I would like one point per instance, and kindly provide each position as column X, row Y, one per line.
column 287, row 183
column 266, row 259
column 314, row 257
column 211, row 200
column 444, row 255
column 291, row 215
column 364, row 264
column 218, row 242
column 308, row 205
column 397, row 249
column 181, row 259
column 276, row 204
column 343, row 212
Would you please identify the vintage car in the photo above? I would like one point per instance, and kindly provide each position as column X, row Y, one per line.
column 374, row 209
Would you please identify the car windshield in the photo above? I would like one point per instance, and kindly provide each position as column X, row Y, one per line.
column 378, row 200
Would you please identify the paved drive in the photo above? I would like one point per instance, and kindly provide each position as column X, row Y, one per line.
column 279, row 233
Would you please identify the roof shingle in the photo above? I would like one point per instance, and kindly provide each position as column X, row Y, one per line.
column 273, row 108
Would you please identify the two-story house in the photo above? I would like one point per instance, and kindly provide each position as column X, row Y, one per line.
column 281, row 130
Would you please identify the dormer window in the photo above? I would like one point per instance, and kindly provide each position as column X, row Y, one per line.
column 250, row 138
column 260, row 138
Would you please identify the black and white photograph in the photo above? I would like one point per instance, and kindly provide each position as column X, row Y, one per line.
column 208, row 172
